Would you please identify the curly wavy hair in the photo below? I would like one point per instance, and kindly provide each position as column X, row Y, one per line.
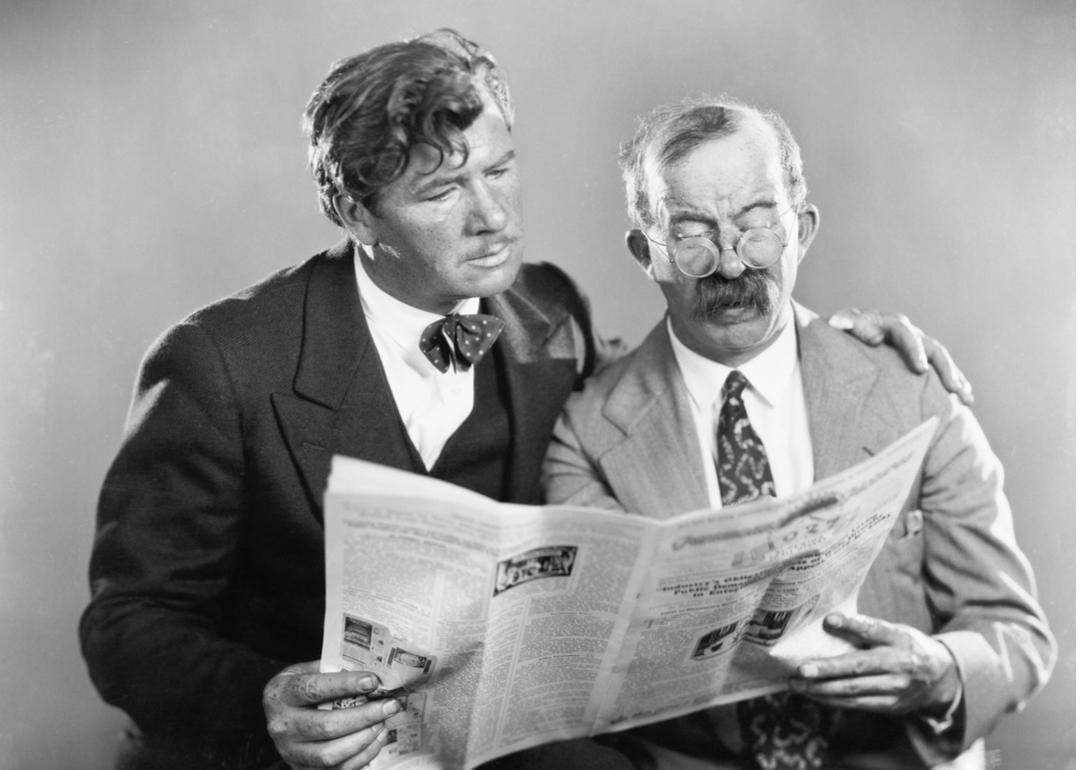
column 373, row 108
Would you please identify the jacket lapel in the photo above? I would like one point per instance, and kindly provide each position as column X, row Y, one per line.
column 650, row 408
column 341, row 402
column 538, row 358
column 846, row 424
column 657, row 466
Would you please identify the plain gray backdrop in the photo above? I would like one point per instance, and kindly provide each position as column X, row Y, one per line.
column 151, row 161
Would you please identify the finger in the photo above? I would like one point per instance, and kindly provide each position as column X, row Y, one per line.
column 951, row 377
column 863, row 630
column 315, row 688
column 368, row 755
column 320, row 726
column 355, row 749
column 892, row 684
column 882, row 704
column 844, row 320
column 866, row 325
column 907, row 339
column 337, row 723
column 880, row 660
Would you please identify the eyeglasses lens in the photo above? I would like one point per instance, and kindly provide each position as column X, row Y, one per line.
column 697, row 257
column 760, row 248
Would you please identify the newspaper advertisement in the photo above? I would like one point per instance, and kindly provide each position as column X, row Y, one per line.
column 499, row 627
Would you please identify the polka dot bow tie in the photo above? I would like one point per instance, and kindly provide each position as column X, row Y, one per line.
column 459, row 340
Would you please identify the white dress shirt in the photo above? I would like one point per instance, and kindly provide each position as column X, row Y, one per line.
column 775, row 404
column 431, row 403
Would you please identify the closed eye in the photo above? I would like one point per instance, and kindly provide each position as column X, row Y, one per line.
column 694, row 234
column 442, row 195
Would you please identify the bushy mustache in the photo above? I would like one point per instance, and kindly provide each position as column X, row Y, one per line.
column 716, row 294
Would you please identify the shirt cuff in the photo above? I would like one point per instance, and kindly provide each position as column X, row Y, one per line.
column 941, row 725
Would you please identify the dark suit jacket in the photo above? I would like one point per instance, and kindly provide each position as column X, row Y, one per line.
column 207, row 568
column 628, row 441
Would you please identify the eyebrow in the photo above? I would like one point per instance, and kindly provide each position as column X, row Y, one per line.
column 691, row 212
column 435, row 180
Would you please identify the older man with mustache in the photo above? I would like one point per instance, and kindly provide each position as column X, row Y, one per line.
column 741, row 392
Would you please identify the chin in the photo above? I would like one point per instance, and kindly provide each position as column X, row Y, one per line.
column 738, row 332
column 494, row 280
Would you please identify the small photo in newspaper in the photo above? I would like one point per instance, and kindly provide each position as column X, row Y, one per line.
column 370, row 646
column 364, row 642
column 406, row 668
column 718, row 641
column 556, row 561
column 768, row 626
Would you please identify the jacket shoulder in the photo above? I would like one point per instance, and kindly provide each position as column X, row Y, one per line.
column 844, row 352
column 256, row 328
column 551, row 289
column 277, row 292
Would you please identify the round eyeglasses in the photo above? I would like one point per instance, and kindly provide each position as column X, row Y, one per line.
column 698, row 256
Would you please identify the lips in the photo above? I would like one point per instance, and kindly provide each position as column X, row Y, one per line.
column 494, row 255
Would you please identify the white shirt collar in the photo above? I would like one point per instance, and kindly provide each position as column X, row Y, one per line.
column 769, row 372
column 398, row 321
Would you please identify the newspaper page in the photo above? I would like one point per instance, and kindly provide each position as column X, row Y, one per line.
column 500, row 627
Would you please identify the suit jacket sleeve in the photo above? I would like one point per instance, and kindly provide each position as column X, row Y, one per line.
column 571, row 474
column 975, row 579
column 169, row 516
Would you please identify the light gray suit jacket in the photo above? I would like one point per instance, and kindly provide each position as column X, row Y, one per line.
column 628, row 442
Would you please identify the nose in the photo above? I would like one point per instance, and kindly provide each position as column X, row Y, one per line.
column 488, row 213
column 731, row 267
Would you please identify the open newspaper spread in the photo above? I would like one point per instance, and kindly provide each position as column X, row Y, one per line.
column 500, row 627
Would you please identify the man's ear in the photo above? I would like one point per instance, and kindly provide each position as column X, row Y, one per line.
column 809, row 220
column 638, row 245
column 356, row 217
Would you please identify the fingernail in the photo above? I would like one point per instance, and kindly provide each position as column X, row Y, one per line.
column 808, row 671
column 391, row 707
column 834, row 620
column 841, row 323
column 922, row 363
column 367, row 683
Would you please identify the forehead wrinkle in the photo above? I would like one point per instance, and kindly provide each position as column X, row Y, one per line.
column 452, row 170
column 721, row 196
column 441, row 176
column 676, row 207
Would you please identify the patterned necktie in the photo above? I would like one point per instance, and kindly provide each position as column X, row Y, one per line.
column 742, row 466
column 459, row 340
column 782, row 731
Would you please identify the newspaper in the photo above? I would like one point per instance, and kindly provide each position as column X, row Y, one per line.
column 500, row 627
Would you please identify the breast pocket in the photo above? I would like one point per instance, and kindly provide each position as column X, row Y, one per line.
column 894, row 587
column 907, row 539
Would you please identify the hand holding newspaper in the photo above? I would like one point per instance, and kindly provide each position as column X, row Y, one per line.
column 500, row 627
